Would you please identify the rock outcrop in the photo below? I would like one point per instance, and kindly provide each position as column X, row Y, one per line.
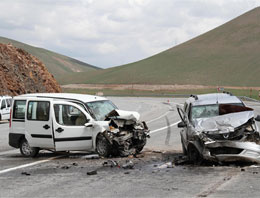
column 21, row 73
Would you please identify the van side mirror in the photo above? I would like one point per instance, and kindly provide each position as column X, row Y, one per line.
column 181, row 125
column 257, row 118
column 88, row 124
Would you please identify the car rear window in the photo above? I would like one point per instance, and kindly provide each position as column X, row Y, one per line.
column 19, row 109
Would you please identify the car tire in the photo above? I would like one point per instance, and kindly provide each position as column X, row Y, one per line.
column 26, row 150
column 194, row 155
column 103, row 147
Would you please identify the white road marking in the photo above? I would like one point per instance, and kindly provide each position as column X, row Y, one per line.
column 9, row 152
column 158, row 117
column 160, row 129
column 28, row 165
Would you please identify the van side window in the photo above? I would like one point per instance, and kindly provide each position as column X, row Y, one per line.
column 38, row 110
column 69, row 115
column 3, row 104
column 9, row 102
column 19, row 109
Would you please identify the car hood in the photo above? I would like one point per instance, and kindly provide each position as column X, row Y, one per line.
column 224, row 123
column 125, row 115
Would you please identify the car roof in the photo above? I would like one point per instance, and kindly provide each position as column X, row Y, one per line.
column 213, row 98
column 81, row 97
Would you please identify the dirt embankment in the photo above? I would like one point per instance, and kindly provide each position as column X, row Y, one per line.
column 20, row 73
column 148, row 87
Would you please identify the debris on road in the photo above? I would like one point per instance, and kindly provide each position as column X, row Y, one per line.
column 110, row 163
column 166, row 165
column 25, row 173
column 128, row 165
column 92, row 172
column 65, row 167
column 92, row 156
column 157, row 151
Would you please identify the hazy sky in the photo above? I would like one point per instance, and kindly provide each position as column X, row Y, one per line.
column 107, row 33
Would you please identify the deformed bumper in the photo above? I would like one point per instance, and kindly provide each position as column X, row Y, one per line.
column 232, row 151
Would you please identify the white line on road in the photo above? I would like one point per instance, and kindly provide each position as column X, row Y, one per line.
column 9, row 152
column 28, row 165
column 158, row 117
column 160, row 129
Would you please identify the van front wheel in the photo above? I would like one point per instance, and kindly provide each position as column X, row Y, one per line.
column 26, row 150
column 103, row 147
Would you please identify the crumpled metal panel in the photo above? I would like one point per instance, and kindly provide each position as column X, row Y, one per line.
column 125, row 115
column 224, row 123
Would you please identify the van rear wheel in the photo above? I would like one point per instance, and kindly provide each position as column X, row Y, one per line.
column 26, row 150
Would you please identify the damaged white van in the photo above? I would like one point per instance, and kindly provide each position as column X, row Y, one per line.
column 74, row 122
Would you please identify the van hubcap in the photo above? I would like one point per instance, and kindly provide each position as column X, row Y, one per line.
column 26, row 148
column 101, row 146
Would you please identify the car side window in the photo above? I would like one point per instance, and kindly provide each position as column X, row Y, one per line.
column 38, row 110
column 69, row 115
column 19, row 109
column 3, row 104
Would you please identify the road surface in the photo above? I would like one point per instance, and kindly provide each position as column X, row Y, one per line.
column 59, row 175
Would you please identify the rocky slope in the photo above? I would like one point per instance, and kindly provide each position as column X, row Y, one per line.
column 20, row 73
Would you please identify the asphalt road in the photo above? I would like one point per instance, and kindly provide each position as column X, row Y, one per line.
column 59, row 175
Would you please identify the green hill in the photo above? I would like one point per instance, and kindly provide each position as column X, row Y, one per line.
column 226, row 55
column 57, row 64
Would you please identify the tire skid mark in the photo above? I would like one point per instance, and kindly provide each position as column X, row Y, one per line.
column 211, row 189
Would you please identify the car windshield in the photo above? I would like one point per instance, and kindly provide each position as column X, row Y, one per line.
column 204, row 111
column 101, row 108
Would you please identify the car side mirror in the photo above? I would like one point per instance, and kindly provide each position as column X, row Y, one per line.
column 2, row 107
column 257, row 118
column 88, row 124
column 181, row 125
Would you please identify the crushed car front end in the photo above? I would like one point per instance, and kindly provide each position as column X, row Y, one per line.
column 235, row 137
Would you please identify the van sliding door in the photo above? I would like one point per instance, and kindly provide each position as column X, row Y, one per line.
column 38, row 124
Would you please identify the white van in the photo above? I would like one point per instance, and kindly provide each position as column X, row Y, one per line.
column 73, row 122
column 6, row 103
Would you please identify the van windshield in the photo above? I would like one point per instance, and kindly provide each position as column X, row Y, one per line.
column 100, row 109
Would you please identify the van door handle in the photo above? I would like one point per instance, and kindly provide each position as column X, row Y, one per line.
column 59, row 130
column 46, row 126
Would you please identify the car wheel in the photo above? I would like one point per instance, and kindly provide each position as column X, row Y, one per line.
column 194, row 155
column 26, row 150
column 139, row 149
column 103, row 147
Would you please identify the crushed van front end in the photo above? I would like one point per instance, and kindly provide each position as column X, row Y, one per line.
column 126, row 134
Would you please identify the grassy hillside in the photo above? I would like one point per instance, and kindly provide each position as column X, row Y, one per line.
column 227, row 55
column 57, row 64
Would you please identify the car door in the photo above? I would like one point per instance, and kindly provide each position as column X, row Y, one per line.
column 38, row 123
column 70, row 132
column 185, row 124
column 4, row 110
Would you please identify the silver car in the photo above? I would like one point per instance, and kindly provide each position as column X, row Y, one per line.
column 218, row 127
